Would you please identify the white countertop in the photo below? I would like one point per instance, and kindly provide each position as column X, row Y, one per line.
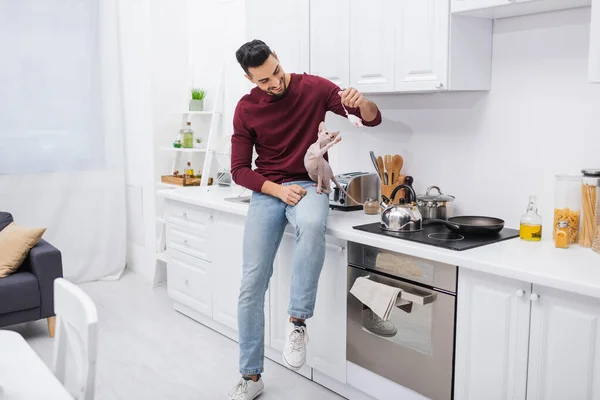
column 575, row 269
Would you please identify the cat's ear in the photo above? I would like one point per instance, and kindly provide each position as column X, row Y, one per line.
column 321, row 126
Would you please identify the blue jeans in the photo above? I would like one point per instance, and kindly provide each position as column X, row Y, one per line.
column 265, row 224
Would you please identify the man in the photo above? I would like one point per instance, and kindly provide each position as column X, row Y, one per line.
column 280, row 118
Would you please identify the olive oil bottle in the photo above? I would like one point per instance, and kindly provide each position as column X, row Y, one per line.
column 531, row 222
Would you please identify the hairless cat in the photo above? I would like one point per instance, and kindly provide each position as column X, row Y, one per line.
column 317, row 167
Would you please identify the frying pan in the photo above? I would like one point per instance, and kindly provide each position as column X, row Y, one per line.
column 471, row 225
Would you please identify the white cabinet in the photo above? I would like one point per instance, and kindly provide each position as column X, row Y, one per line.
column 564, row 349
column 326, row 350
column 492, row 326
column 400, row 46
column 521, row 341
column 227, row 268
column 330, row 42
column 594, row 65
column 493, row 9
column 372, row 56
column 271, row 22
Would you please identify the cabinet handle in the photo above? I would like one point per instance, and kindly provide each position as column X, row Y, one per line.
column 185, row 242
column 534, row 297
column 184, row 215
column 210, row 218
column 439, row 85
column 186, row 282
column 520, row 293
column 341, row 249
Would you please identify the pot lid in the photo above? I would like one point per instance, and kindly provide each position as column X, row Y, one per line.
column 591, row 172
column 434, row 197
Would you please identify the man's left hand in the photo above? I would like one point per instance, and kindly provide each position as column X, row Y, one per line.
column 353, row 98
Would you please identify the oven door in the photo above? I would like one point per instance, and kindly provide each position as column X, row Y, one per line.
column 415, row 347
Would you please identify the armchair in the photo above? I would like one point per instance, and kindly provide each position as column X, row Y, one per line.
column 28, row 294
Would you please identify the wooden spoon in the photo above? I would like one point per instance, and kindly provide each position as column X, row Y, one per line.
column 397, row 164
column 380, row 165
column 387, row 160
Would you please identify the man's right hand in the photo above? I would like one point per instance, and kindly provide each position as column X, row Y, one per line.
column 290, row 195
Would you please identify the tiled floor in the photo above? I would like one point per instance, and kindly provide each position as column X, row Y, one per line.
column 149, row 351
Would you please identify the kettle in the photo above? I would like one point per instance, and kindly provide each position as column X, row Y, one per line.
column 401, row 217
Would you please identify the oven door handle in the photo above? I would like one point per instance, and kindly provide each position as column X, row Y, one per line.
column 417, row 298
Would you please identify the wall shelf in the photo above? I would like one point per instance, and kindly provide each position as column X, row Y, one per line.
column 183, row 150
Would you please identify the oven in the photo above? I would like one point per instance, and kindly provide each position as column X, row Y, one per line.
column 415, row 346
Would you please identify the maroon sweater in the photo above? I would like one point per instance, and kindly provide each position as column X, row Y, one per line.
column 282, row 129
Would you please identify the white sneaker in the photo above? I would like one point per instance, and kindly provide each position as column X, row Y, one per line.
column 246, row 390
column 294, row 350
column 376, row 325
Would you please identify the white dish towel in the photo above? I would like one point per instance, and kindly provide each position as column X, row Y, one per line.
column 380, row 298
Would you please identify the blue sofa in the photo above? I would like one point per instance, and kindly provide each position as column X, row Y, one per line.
column 28, row 294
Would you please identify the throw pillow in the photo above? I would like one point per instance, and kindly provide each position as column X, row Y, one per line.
column 15, row 243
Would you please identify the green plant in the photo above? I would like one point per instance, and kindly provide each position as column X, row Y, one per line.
column 198, row 94
column 198, row 140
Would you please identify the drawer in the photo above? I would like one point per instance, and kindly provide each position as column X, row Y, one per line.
column 189, row 281
column 190, row 241
column 188, row 215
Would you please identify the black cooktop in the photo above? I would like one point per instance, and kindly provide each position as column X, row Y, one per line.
column 440, row 236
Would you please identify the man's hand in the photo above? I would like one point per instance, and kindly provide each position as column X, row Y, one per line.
column 353, row 98
column 290, row 195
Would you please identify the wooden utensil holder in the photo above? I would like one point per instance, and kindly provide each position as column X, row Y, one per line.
column 386, row 190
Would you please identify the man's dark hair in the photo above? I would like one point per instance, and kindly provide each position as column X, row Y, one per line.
column 252, row 54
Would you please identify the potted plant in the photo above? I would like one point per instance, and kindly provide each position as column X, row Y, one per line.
column 197, row 143
column 197, row 101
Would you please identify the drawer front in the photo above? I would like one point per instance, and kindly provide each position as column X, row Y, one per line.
column 189, row 282
column 189, row 241
column 198, row 218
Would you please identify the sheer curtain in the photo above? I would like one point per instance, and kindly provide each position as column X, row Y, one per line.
column 61, row 130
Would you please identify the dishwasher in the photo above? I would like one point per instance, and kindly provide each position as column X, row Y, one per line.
column 414, row 347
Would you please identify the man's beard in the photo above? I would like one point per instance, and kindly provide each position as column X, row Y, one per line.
column 283, row 90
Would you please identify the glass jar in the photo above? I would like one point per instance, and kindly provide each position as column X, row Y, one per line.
column 561, row 238
column 589, row 186
column 596, row 244
column 188, row 136
column 371, row 206
column 567, row 204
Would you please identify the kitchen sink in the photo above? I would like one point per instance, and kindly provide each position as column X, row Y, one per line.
column 239, row 199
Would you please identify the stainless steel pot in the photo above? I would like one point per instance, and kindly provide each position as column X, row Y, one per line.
column 401, row 217
column 435, row 206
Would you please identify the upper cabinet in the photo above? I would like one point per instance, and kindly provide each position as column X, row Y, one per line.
column 289, row 38
column 400, row 46
column 493, row 9
column 594, row 67
column 330, row 42
column 372, row 25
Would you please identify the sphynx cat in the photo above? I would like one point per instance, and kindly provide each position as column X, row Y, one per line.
column 317, row 167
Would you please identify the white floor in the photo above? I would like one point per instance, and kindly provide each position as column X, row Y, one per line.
column 149, row 351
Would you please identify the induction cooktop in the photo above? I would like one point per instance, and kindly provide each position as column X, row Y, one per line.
column 440, row 236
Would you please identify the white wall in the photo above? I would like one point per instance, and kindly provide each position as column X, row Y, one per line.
column 491, row 150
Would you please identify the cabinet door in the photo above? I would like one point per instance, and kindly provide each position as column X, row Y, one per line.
column 564, row 356
column 594, row 65
column 330, row 40
column 269, row 21
column 227, row 268
column 469, row 5
column 372, row 45
column 422, row 35
column 326, row 351
column 491, row 337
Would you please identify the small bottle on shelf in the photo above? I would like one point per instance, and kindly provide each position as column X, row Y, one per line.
column 189, row 171
column 561, row 237
column 188, row 136
column 531, row 222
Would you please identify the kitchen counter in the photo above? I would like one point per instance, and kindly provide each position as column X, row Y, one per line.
column 575, row 269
